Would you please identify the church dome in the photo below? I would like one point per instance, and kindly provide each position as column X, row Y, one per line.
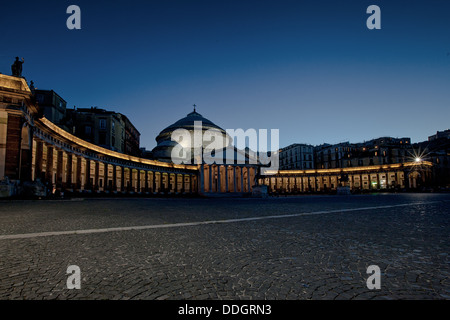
column 165, row 144
column 188, row 123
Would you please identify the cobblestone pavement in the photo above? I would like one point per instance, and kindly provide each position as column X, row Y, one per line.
column 323, row 254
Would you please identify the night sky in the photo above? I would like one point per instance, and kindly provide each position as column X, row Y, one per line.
column 311, row 69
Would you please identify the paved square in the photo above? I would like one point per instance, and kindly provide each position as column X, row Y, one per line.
column 306, row 247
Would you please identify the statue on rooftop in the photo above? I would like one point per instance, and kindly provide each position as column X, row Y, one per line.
column 16, row 67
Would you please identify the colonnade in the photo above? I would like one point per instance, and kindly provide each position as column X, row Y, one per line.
column 65, row 166
column 215, row 178
column 399, row 176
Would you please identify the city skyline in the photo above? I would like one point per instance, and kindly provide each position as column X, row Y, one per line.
column 314, row 71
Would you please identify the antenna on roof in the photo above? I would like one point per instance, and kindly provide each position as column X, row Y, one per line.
column 194, row 105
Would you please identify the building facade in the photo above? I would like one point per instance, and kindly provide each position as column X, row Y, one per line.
column 132, row 137
column 52, row 106
column 440, row 134
column 437, row 151
column 98, row 126
column 297, row 156
column 17, row 110
column 380, row 151
column 108, row 129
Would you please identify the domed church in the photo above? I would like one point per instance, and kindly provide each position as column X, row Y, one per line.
column 165, row 144
column 225, row 169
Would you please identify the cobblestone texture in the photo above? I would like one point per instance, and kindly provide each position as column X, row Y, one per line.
column 323, row 256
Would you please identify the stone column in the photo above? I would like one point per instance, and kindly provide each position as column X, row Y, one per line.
column 49, row 167
column 11, row 162
column 153, row 181
column 69, row 178
column 248, row 180
column 79, row 178
column 175, row 182
column 234, row 179
column 158, row 181
column 218, row 188
column 165, row 182
column 406, row 179
column 106, row 186
column 146, row 184
column 183, row 183
column 114, row 178
column 191, row 182
column 96, row 186
column 202, row 178
column 186, row 180
column 210, row 178
column 226, row 178
column 88, row 183
column 3, row 135
column 122, row 179
column 242, row 179
column 59, row 169
column 138, row 182
column 130, row 184
column 38, row 161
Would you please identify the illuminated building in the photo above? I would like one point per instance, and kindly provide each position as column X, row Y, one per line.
column 233, row 173
column 33, row 148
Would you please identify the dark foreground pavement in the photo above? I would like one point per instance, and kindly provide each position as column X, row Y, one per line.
column 309, row 247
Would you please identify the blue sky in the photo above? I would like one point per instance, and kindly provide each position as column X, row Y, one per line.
column 311, row 69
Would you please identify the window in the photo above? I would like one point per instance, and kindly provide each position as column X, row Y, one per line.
column 88, row 130
column 102, row 124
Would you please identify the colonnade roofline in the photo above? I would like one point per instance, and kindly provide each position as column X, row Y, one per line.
column 103, row 151
column 394, row 166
